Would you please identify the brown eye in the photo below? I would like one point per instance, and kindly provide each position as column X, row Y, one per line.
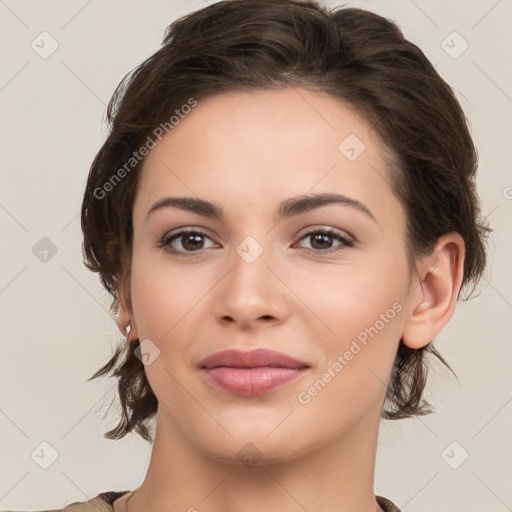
column 190, row 241
column 321, row 240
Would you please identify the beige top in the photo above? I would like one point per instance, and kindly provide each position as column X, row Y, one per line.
column 104, row 502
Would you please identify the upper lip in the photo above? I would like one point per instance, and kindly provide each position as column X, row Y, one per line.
column 251, row 359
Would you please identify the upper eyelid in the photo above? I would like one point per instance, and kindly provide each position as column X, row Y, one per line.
column 309, row 229
column 184, row 230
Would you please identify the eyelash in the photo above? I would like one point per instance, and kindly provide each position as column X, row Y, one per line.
column 166, row 240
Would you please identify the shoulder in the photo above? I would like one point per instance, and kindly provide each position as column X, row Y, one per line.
column 101, row 503
column 387, row 505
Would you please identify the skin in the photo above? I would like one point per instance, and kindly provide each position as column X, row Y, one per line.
column 247, row 152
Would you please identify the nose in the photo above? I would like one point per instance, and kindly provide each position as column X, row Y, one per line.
column 252, row 293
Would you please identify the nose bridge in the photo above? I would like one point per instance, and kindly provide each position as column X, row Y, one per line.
column 251, row 289
column 251, row 261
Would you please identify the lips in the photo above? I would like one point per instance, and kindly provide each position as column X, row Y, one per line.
column 250, row 373
column 251, row 359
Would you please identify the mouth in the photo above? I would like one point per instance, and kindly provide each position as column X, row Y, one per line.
column 250, row 373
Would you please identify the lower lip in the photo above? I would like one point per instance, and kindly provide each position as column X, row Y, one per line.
column 251, row 381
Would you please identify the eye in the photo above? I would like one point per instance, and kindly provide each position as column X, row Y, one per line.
column 321, row 240
column 189, row 239
column 192, row 241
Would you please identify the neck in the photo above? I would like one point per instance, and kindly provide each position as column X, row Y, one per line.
column 336, row 477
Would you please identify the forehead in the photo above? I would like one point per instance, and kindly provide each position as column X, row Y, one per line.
column 245, row 146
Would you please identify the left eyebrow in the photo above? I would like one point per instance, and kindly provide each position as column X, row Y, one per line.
column 301, row 204
column 288, row 208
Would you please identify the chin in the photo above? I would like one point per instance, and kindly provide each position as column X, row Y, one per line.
column 255, row 445
column 250, row 454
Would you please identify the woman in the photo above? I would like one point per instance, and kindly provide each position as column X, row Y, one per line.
column 285, row 214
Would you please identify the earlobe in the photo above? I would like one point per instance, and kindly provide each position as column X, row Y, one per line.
column 434, row 298
column 123, row 320
column 124, row 315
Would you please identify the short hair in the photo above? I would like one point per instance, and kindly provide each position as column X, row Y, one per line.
column 356, row 56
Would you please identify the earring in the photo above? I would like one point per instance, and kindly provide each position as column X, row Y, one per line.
column 128, row 329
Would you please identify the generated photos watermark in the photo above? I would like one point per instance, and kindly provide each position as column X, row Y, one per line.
column 361, row 341
column 143, row 151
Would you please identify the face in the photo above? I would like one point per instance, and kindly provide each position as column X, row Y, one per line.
column 324, row 283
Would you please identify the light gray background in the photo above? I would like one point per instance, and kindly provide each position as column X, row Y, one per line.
column 55, row 330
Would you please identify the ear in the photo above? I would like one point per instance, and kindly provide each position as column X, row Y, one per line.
column 435, row 295
column 124, row 315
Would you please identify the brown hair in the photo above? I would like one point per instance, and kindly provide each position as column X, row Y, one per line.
column 356, row 56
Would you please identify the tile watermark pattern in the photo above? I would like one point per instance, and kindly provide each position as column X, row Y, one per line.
column 454, row 45
column 454, row 455
column 147, row 352
column 44, row 250
column 44, row 455
column 351, row 147
column 45, row 45
column 249, row 249
column 249, row 455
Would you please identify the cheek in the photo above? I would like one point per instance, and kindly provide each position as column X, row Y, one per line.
column 354, row 377
column 362, row 312
column 163, row 295
column 365, row 296
column 345, row 298
column 167, row 305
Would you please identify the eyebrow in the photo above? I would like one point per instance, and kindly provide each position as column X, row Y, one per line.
column 288, row 208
